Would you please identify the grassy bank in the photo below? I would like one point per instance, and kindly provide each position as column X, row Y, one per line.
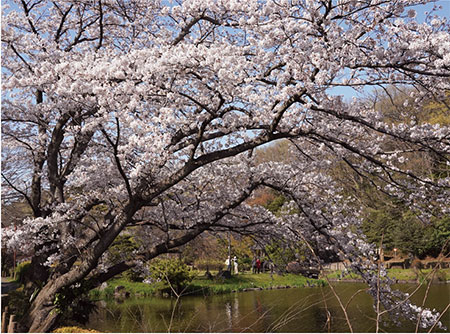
column 410, row 274
column 134, row 288
column 399, row 274
column 249, row 281
column 204, row 286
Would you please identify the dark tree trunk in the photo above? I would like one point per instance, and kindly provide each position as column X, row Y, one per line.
column 42, row 319
column 42, row 315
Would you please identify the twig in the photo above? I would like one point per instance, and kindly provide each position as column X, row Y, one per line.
column 328, row 281
column 328, row 322
column 439, row 318
column 377, row 323
column 419, row 317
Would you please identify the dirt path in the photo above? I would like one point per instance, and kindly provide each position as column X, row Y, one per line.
column 8, row 286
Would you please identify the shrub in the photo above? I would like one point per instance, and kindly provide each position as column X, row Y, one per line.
column 22, row 271
column 95, row 294
column 73, row 304
column 18, row 304
column 245, row 264
column 440, row 276
column 173, row 273
column 134, row 275
column 123, row 249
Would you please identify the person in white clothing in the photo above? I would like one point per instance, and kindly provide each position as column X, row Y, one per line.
column 235, row 265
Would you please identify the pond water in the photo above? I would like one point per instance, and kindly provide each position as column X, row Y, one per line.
column 286, row 310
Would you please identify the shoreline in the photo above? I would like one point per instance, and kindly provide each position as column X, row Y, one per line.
column 398, row 281
column 315, row 283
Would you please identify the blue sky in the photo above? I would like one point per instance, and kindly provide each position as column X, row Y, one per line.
column 445, row 11
column 422, row 11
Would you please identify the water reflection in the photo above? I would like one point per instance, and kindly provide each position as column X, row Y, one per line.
column 228, row 314
column 236, row 306
column 291, row 310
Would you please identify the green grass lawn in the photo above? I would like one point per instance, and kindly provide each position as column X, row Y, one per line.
column 338, row 275
column 202, row 285
column 409, row 274
column 246, row 281
column 400, row 274
column 134, row 288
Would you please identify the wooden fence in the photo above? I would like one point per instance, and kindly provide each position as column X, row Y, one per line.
column 12, row 325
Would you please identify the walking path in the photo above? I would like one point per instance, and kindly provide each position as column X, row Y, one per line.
column 8, row 286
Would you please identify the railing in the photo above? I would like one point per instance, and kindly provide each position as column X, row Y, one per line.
column 12, row 324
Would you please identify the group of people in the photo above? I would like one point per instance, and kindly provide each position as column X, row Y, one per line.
column 257, row 265
column 234, row 264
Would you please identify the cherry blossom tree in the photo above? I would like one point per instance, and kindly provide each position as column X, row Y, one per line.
column 133, row 113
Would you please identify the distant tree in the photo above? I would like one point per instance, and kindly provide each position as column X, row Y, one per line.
column 276, row 151
column 241, row 247
column 397, row 227
column 206, row 247
column 393, row 219
column 438, row 243
column 276, row 204
column 123, row 249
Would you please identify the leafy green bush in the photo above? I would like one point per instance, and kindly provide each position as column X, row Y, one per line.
column 440, row 276
column 73, row 304
column 133, row 275
column 245, row 264
column 95, row 294
column 108, row 293
column 22, row 271
column 123, row 249
column 276, row 204
column 18, row 304
column 173, row 273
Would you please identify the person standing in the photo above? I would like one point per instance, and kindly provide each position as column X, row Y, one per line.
column 258, row 265
column 235, row 263
column 254, row 265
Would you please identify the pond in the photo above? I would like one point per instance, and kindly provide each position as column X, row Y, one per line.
column 286, row 310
